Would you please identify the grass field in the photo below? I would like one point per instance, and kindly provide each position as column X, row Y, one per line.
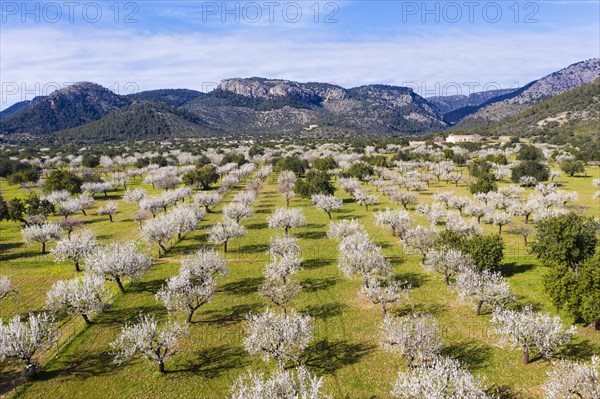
column 345, row 348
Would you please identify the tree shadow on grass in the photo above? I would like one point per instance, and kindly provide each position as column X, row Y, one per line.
column 325, row 311
column 414, row 279
column 120, row 315
column 253, row 248
column 230, row 315
column 212, row 362
column 327, row 356
column 10, row 381
column 318, row 284
column 512, row 268
column 23, row 253
column 151, row 286
column 81, row 365
column 257, row 226
column 502, row 392
column 471, row 353
column 420, row 308
column 316, row 263
column 579, row 349
column 310, row 235
column 242, row 287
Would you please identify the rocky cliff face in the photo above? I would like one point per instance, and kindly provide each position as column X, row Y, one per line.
column 267, row 104
column 551, row 85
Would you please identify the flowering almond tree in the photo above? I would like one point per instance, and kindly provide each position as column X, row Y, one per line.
column 573, row 380
column 118, row 260
column 75, row 248
column 282, row 337
column 301, row 384
column 42, row 233
column 109, row 209
column 414, row 337
column 20, row 340
column 286, row 219
column 85, row 296
column 148, row 340
column 385, row 291
column 527, row 330
column 396, row 219
column 221, row 233
column 485, row 287
column 443, row 378
column 327, row 203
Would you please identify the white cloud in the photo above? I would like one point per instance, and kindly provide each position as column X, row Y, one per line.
column 197, row 60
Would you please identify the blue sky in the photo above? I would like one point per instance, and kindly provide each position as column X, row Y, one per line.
column 436, row 47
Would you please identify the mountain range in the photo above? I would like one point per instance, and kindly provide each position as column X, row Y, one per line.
column 258, row 106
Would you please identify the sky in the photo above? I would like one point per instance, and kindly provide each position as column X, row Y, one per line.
column 435, row 47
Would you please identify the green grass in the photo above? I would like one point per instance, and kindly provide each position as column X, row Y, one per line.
column 345, row 349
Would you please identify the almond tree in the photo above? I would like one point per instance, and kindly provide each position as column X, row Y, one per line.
column 327, row 203
column 459, row 202
column 286, row 219
column 181, row 294
column 278, row 287
column 185, row 218
column 527, row 329
column 153, row 343
column 42, row 233
column 344, row 228
column 385, row 291
column 481, row 288
column 237, row 211
column 498, row 218
column 349, row 184
column 443, row 378
column 85, row 296
column 357, row 254
column 419, row 239
column 135, row 195
column 447, row 261
column 365, row 199
column 118, row 260
column 398, row 220
column 245, row 198
column 415, row 337
column 287, row 180
column 301, row 384
column 284, row 246
column 207, row 200
column 159, row 230
column 21, row 340
column 573, row 380
column 109, row 209
column 7, row 289
column 282, row 337
column 75, row 248
column 405, row 198
column 221, row 233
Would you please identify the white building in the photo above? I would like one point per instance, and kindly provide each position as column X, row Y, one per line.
column 471, row 138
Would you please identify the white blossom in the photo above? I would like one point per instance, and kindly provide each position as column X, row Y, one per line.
column 42, row 233
column 221, row 233
column 76, row 247
column 576, row 379
column 118, row 260
column 526, row 329
column 286, row 219
column 485, row 287
column 151, row 342
column 327, row 203
column 300, row 384
column 85, row 296
column 282, row 337
column 414, row 337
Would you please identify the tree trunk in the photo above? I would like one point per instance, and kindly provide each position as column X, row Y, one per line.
column 190, row 315
column 110, row 217
column 86, row 318
column 83, row 211
column 479, row 305
column 447, row 279
column 43, row 248
column 225, row 247
column 77, row 268
column 329, row 214
column 526, row 218
column 163, row 248
column 286, row 231
column 120, row 284
column 597, row 324
column 525, row 354
column 161, row 367
column 280, row 363
column 500, row 229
